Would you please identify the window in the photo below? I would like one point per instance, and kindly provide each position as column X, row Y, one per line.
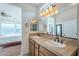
column 10, row 29
column 18, row 28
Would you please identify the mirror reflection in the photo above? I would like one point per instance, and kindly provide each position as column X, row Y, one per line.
column 64, row 23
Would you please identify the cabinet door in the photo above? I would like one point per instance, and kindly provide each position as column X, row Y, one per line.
column 36, row 52
column 31, row 48
column 41, row 54
column 46, row 52
column 36, row 49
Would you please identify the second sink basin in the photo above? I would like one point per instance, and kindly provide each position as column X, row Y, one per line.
column 56, row 44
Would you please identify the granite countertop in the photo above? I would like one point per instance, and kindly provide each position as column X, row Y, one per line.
column 65, row 51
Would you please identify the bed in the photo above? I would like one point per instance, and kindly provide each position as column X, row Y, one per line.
column 10, row 40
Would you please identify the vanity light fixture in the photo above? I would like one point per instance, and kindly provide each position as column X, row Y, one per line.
column 47, row 11
column 51, row 10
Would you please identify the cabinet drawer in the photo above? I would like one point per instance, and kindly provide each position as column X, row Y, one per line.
column 46, row 52
column 31, row 41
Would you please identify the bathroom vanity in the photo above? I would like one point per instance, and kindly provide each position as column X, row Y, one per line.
column 42, row 45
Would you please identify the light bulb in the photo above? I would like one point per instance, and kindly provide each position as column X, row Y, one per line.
column 56, row 11
column 50, row 9
column 52, row 13
column 41, row 14
column 47, row 11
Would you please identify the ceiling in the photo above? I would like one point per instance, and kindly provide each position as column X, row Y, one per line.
column 64, row 6
column 23, row 5
column 37, row 4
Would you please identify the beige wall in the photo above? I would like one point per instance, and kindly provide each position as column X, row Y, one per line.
column 27, row 15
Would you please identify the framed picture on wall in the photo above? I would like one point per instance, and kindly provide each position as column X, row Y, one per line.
column 34, row 27
column 59, row 29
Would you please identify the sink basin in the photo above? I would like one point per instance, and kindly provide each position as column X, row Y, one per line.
column 56, row 44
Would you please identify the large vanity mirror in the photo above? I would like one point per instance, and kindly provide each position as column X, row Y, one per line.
column 66, row 21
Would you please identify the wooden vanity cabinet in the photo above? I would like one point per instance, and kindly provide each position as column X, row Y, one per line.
column 33, row 48
column 37, row 50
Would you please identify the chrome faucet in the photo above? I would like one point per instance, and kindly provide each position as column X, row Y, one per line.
column 56, row 39
column 62, row 40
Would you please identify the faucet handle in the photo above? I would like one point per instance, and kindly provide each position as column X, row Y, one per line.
column 57, row 38
column 62, row 40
